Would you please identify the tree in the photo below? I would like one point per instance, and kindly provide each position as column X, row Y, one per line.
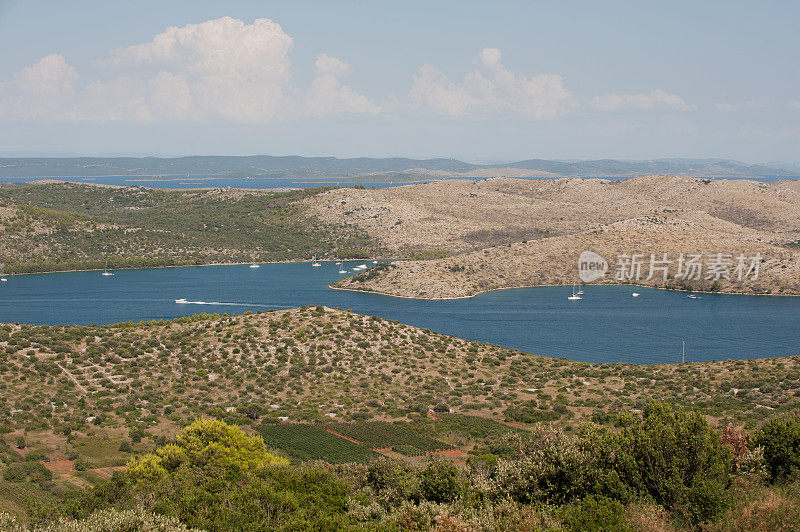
column 206, row 444
column 216, row 477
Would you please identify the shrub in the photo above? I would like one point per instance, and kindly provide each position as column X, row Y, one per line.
column 440, row 481
column 675, row 457
column 27, row 472
column 596, row 514
column 780, row 438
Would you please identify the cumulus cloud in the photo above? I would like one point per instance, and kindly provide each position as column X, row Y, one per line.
column 490, row 88
column 328, row 96
column 221, row 69
column 655, row 99
column 37, row 91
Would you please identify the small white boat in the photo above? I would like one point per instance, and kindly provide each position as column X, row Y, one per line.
column 574, row 296
column 579, row 292
column 362, row 266
column 315, row 264
column 254, row 265
column 181, row 300
column 356, row 269
column 374, row 262
column 3, row 279
column 635, row 294
column 338, row 263
column 106, row 273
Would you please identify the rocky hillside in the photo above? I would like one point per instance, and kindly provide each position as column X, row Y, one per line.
column 500, row 233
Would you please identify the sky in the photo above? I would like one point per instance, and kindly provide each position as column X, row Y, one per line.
column 478, row 81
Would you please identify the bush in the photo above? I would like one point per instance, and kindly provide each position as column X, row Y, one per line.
column 596, row 514
column 27, row 472
column 216, row 477
column 780, row 438
column 440, row 481
column 673, row 456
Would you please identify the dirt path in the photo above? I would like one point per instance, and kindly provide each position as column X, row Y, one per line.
column 72, row 378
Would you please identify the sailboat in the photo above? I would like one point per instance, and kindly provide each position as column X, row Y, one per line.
column 635, row 294
column 580, row 291
column 315, row 264
column 254, row 265
column 106, row 273
column 683, row 352
column 574, row 296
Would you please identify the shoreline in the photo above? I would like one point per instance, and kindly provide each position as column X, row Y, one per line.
column 553, row 286
column 293, row 261
column 346, row 289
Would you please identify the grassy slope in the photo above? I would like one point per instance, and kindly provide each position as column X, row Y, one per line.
column 68, row 226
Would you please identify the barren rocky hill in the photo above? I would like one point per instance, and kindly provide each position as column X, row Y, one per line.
column 502, row 232
column 457, row 216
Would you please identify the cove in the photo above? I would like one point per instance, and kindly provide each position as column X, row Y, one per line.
column 607, row 325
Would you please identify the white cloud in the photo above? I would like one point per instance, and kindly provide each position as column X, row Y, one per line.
column 218, row 70
column 432, row 90
column 38, row 90
column 490, row 88
column 794, row 104
column 656, row 99
column 327, row 95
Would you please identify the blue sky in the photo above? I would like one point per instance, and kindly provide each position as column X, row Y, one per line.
column 473, row 80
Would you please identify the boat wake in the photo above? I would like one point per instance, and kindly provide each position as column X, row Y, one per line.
column 184, row 301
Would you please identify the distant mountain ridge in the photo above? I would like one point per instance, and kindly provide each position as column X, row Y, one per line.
column 267, row 165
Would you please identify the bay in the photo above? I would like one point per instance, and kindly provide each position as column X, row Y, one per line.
column 607, row 325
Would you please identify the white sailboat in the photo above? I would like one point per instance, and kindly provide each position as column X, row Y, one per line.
column 635, row 294
column 580, row 291
column 574, row 296
column 106, row 273
column 181, row 301
column 683, row 352
column 315, row 264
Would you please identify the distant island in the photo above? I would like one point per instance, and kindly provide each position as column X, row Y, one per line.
column 395, row 168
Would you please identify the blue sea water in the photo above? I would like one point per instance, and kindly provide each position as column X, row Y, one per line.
column 607, row 325
column 206, row 181
column 203, row 181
